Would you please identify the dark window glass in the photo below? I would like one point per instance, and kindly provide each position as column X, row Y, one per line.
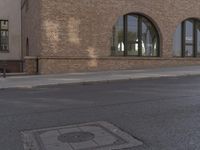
column 198, row 38
column 187, row 39
column 189, row 49
column 149, row 39
column 4, row 35
column 134, row 35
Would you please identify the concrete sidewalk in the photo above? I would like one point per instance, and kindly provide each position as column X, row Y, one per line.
column 69, row 78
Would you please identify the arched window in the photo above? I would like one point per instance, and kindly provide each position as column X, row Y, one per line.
column 135, row 35
column 27, row 47
column 186, row 41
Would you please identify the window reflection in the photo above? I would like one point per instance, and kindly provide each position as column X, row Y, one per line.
column 134, row 35
column 189, row 38
column 149, row 39
column 198, row 38
column 189, row 31
column 186, row 41
column 4, row 41
column 118, row 40
column 177, row 51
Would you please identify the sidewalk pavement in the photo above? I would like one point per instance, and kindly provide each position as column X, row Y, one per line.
column 69, row 78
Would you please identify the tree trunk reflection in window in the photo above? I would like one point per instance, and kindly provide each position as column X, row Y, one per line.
column 132, row 35
column 149, row 39
column 135, row 35
column 118, row 34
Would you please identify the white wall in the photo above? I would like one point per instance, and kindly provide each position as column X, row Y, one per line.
column 11, row 10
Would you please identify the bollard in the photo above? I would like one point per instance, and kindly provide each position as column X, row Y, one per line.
column 4, row 71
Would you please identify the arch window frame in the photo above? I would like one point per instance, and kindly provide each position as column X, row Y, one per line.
column 139, row 41
column 194, row 43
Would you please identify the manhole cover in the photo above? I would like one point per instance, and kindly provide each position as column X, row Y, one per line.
column 95, row 136
column 76, row 137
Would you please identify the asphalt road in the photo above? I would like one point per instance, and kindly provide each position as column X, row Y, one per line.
column 163, row 113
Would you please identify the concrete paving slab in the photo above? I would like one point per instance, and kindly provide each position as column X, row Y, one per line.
column 80, row 138
column 58, row 147
column 84, row 145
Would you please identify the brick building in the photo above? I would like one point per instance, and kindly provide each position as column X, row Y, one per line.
column 61, row 36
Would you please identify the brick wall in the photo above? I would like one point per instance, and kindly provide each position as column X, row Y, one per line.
column 83, row 29
column 30, row 65
column 64, row 65
column 31, row 27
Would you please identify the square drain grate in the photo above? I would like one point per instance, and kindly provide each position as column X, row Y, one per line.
column 90, row 136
